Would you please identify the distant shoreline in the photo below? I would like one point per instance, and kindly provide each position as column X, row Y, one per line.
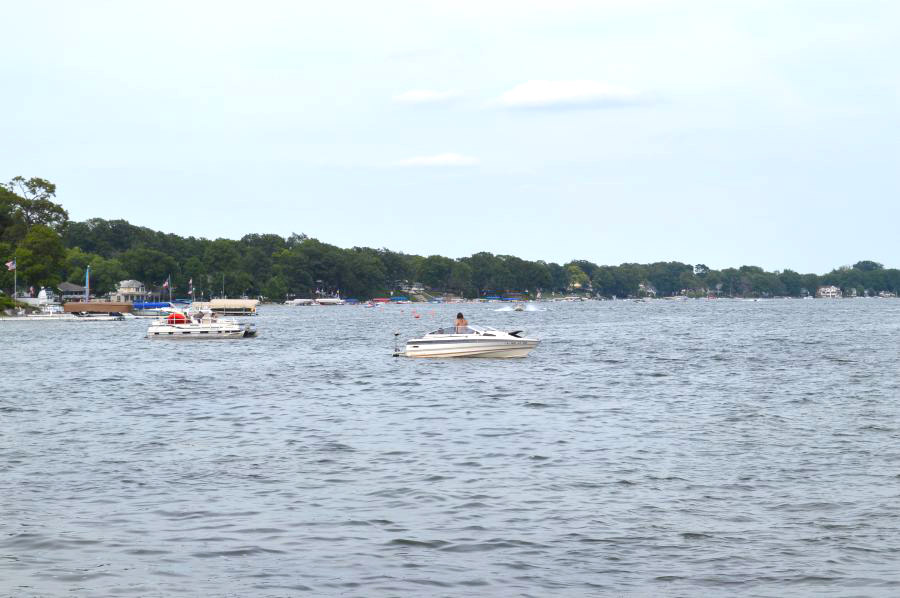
column 49, row 249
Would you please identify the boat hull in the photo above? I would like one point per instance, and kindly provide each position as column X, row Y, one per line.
column 196, row 333
column 501, row 349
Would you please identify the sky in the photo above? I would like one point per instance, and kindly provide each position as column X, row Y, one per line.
column 719, row 132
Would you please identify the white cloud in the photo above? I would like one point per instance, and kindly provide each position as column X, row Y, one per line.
column 569, row 94
column 439, row 160
column 426, row 96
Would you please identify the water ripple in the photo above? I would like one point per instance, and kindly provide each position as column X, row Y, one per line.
column 662, row 448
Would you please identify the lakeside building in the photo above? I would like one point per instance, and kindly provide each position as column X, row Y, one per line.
column 70, row 292
column 577, row 286
column 409, row 287
column 45, row 296
column 130, row 291
column 645, row 289
column 829, row 292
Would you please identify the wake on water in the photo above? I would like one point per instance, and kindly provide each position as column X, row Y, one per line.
column 528, row 307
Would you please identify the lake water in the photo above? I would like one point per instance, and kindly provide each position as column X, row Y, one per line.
column 644, row 449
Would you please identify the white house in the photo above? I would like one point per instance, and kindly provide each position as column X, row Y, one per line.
column 645, row 289
column 130, row 291
column 831, row 292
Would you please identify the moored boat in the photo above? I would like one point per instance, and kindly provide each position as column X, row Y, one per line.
column 200, row 325
column 330, row 301
column 152, row 309
column 229, row 307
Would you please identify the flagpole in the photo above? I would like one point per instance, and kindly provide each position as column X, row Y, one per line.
column 169, row 281
column 15, row 277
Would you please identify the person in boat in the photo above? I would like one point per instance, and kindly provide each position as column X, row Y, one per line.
column 461, row 322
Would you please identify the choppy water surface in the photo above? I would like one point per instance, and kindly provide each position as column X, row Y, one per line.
column 664, row 448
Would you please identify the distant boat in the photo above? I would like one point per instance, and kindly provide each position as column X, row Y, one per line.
column 229, row 307
column 330, row 301
column 150, row 309
column 300, row 302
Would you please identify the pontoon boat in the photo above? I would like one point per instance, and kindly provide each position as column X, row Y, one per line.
column 200, row 325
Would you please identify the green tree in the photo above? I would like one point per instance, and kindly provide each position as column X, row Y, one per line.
column 559, row 279
column 76, row 264
column 34, row 205
column 149, row 266
column 809, row 284
column 486, row 270
column 222, row 255
column 792, row 282
column 275, row 289
column 397, row 267
column 41, row 257
column 435, row 271
column 106, row 274
column 867, row 266
column 12, row 226
column 585, row 266
column 292, row 266
column 577, row 277
column 666, row 277
column 688, row 281
column 237, row 284
column 361, row 274
column 460, row 280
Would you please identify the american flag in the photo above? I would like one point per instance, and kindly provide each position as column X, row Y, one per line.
column 11, row 265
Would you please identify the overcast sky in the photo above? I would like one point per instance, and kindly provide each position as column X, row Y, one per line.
column 727, row 133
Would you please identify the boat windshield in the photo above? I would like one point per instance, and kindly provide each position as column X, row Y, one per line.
column 462, row 330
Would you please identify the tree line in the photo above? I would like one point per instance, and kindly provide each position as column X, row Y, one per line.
column 50, row 248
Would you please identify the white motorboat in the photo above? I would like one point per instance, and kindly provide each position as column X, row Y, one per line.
column 300, row 302
column 469, row 341
column 148, row 309
column 330, row 301
column 200, row 325
column 98, row 317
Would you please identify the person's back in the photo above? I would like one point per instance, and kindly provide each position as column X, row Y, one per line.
column 461, row 322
